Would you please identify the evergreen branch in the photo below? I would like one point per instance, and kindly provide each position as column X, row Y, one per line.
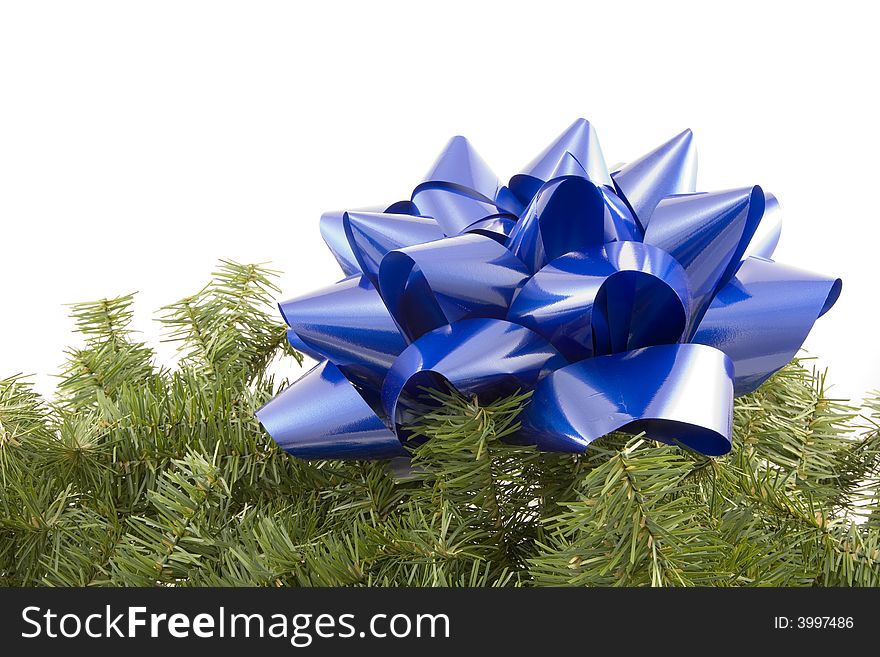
column 162, row 476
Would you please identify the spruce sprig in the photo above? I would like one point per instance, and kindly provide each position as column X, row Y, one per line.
column 148, row 475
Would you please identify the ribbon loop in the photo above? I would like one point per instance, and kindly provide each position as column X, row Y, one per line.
column 497, row 226
column 332, row 226
column 768, row 232
column 488, row 356
column 567, row 214
column 323, row 416
column 707, row 233
column 620, row 224
column 372, row 234
column 580, row 143
column 460, row 167
column 619, row 297
column 429, row 285
column 461, row 189
column 455, row 210
column 676, row 393
column 669, row 169
column 348, row 324
column 762, row 317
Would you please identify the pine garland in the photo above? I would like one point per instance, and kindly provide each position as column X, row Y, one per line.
column 144, row 475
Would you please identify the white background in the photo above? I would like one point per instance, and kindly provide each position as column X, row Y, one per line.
column 140, row 142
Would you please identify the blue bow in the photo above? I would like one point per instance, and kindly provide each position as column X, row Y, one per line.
column 625, row 300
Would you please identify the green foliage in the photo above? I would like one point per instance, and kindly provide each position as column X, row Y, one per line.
column 144, row 475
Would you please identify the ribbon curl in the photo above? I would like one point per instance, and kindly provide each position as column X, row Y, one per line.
column 626, row 300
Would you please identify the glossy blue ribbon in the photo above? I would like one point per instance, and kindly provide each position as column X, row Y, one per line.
column 625, row 300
